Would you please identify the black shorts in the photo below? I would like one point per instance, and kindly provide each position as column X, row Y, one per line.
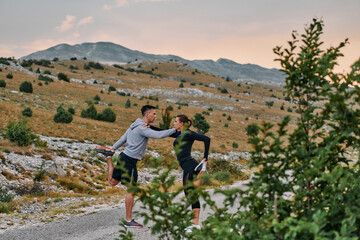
column 131, row 174
column 188, row 166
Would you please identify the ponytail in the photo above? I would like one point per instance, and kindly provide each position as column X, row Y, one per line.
column 184, row 119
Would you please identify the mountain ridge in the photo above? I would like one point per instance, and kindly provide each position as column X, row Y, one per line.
column 111, row 52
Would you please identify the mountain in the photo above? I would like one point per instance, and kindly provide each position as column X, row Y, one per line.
column 114, row 53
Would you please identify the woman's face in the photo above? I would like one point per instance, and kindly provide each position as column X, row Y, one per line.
column 177, row 124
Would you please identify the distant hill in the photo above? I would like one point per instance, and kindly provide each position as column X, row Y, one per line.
column 113, row 53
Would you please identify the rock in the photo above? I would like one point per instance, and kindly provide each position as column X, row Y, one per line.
column 54, row 168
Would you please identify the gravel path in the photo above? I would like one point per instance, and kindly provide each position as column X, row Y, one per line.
column 103, row 225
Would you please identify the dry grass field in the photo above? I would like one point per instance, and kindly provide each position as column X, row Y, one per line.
column 244, row 103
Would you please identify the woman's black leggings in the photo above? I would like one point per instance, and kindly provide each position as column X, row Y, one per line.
column 188, row 166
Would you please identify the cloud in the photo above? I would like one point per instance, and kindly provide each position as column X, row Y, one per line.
column 123, row 3
column 67, row 24
column 107, row 7
column 86, row 20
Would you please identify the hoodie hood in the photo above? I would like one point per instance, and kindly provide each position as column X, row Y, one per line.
column 137, row 123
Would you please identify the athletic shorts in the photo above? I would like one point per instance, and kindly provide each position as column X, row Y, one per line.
column 130, row 167
column 188, row 166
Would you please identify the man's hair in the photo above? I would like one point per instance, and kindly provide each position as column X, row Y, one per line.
column 146, row 108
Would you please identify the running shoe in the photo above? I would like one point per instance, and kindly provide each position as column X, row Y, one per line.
column 106, row 151
column 132, row 224
column 190, row 228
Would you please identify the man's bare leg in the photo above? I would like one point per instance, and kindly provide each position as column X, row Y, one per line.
column 110, row 168
column 129, row 202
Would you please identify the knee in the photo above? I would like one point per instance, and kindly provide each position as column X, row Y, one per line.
column 113, row 182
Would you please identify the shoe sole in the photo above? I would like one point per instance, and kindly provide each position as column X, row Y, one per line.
column 106, row 151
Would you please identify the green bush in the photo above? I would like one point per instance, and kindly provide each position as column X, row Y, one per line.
column 45, row 78
column 181, row 85
column 9, row 76
column 71, row 110
column 5, row 196
column 224, row 90
column 170, row 108
column 63, row 76
column 200, row 123
column 128, row 104
column 2, row 83
column 19, row 133
column 252, row 130
column 235, row 145
column 111, row 88
column 107, row 115
column 97, row 98
column 27, row 112
column 62, row 116
column 229, row 118
column 26, row 87
column 90, row 112
column 222, row 176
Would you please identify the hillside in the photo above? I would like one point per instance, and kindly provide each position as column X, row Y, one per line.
column 110, row 52
column 66, row 157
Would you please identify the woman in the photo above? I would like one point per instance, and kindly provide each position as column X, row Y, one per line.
column 184, row 139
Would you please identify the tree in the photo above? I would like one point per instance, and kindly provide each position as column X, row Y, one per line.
column 166, row 119
column 63, row 76
column 9, row 76
column 27, row 112
column 62, row 116
column 200, row 123
column 26, row 87
column 128, row 104
column 90, row 112
column 19, row 133
column 2, row 83
column 107, row 115
column 306, row 187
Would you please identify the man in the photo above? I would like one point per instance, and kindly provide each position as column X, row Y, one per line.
column 136, row 139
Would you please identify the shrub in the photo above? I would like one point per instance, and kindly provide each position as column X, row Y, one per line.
column 269, row 103
column 97, row 98
column 200, row 123
column 71, row 110
column 181, row 85
column 62, row 116
column 27, row 112
column 222, row 176
column 26, row 87
column 63, row 76
column 5, row 196
column 229, row 118
column 128, row 104
column 19, row 133
column 224, row 90
column 55, row 59
column 2, row 83
column 166, row 119
column 235, row 145
column 90, row 112
column 9, row 76
column 107, row 115
column 121, row 93
column 252, row 130
column 226, row 125
column 111, row 88
column 45, row 78
column 170, row 108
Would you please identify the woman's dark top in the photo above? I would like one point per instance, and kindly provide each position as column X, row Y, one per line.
column 186, row 140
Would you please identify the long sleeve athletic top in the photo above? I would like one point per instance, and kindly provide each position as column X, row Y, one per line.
column 186, row 140
column 136, row 139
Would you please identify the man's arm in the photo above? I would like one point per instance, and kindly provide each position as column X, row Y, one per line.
column 121, row 141
column 148, row 132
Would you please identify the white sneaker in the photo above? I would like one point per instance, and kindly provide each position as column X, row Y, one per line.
column 190, row 228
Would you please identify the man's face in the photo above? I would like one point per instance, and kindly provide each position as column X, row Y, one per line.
column 151, row 115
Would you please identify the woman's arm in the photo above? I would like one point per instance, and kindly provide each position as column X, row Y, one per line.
column 200, row 137
column 174, row 135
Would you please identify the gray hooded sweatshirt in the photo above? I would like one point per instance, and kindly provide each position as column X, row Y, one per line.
column 136, row 138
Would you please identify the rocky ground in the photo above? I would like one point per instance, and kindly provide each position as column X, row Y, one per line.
column 65, row 158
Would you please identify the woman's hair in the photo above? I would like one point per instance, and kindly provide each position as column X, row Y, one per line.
column 184, row 119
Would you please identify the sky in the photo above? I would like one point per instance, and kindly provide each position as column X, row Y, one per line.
column 245, row 31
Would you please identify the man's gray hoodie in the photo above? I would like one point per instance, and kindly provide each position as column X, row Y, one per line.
column 136, row 138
